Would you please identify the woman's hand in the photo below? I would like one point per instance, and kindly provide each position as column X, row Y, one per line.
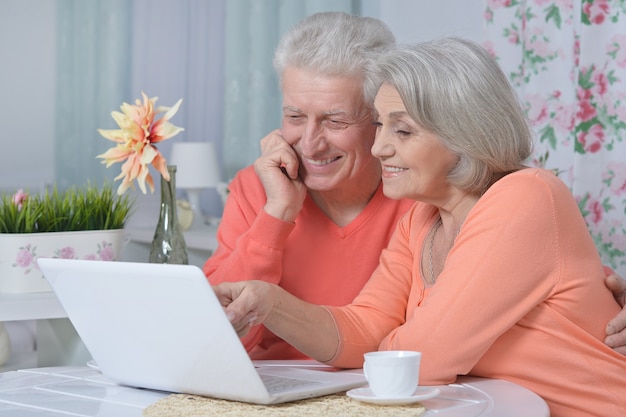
column 616, row 328
column 308, row 327
column 247, row 303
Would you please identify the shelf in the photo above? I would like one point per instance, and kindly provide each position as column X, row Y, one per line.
column 203, row 238
column 30, row 306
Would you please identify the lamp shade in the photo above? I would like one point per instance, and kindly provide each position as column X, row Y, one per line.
column 196, row 165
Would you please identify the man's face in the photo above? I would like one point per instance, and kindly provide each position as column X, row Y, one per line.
column 326, row 121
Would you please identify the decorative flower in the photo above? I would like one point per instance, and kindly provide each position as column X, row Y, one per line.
column 136, row 139
column 66, row 252
column 26, row 257
column 19, row 198
column 105, row 251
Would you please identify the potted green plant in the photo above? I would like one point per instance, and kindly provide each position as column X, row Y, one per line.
column 79, row 223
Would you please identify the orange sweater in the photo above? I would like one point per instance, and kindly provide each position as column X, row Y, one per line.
column 314, row 259
column 521, row 298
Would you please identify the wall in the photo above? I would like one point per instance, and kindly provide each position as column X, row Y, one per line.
column 28, row 71
column 422, row 20
column 27, row 89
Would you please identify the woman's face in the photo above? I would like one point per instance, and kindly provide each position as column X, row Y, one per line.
column 415, row 163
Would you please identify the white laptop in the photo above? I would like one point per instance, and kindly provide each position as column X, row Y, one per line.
column 161, row 327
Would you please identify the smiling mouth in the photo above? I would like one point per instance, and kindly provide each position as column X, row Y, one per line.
column 321, row 162
column 393, row 170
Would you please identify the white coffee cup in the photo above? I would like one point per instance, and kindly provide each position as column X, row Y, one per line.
column 392, row 373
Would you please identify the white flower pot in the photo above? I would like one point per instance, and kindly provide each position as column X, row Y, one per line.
column 19, row 272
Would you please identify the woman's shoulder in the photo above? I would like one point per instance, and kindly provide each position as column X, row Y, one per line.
column 420, row 214
column 531, row 178
column 531, row 185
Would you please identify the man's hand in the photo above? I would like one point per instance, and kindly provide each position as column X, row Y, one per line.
column 277, row 168
column 616, row 328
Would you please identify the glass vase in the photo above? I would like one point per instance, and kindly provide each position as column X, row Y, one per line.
column 168, row 244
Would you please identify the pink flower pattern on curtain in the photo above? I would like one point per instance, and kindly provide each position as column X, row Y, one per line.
column 567, row 59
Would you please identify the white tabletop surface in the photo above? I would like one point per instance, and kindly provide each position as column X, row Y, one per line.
column 83, row 391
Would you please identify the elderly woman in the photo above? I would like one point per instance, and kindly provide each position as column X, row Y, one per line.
column 491, row 273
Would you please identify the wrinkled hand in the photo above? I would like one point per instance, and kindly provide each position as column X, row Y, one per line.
column 277, row 168
column 247, row 303
column 616, row 328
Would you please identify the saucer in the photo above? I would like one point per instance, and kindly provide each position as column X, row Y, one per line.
column 366, row 395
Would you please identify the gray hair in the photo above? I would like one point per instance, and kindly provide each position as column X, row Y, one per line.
column 335, row 44
column 455, row 89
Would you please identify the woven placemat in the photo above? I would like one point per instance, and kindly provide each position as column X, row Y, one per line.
column 182, row 405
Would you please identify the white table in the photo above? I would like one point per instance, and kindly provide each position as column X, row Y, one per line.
column 82, row 391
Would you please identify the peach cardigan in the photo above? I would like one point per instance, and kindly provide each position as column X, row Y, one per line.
column 521, row 297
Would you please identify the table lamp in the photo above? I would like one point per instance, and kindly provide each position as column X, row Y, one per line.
column 196, row 169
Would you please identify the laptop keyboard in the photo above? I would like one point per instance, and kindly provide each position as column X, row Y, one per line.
column 275, row 383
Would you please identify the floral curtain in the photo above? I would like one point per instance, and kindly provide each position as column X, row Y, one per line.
column 567, row 59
